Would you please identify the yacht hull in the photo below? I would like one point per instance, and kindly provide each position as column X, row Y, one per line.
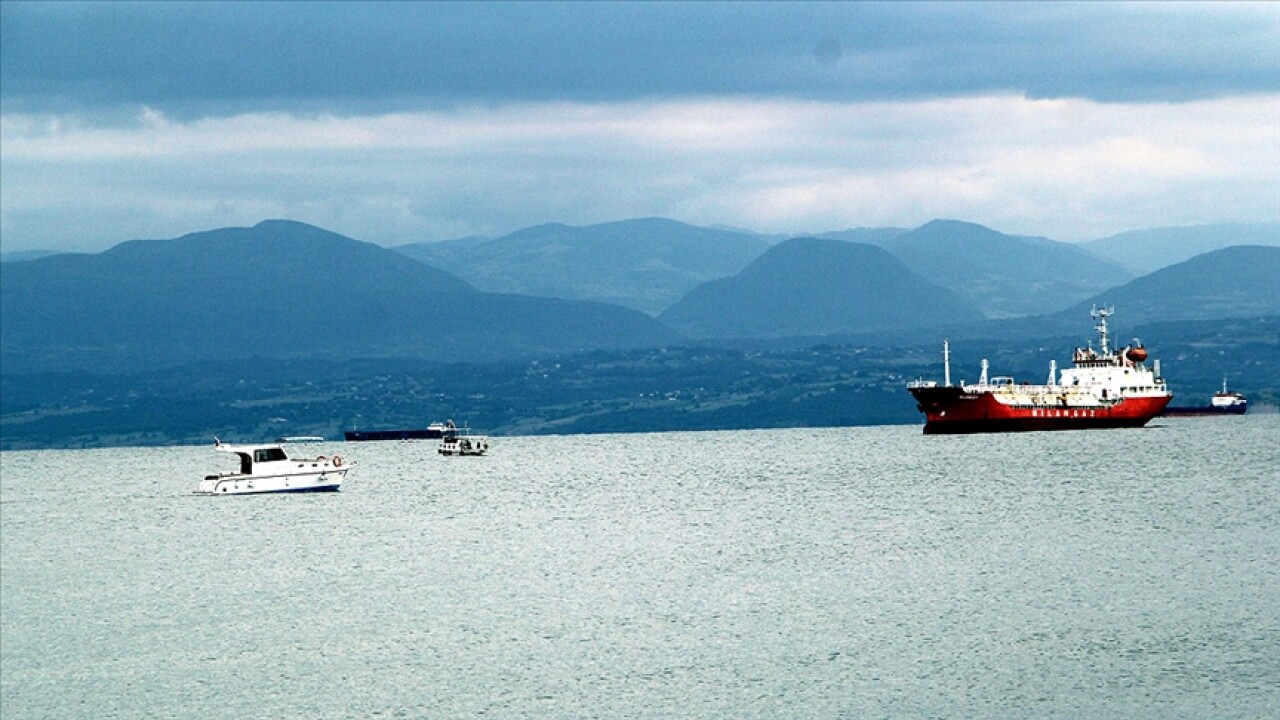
column 257, row 485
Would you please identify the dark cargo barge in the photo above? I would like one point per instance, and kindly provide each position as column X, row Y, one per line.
column 1222, row 403
column 434, row 431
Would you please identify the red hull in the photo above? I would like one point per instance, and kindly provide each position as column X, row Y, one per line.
column 950, row 410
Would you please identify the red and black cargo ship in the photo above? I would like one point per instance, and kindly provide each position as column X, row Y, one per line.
column 1105, row 389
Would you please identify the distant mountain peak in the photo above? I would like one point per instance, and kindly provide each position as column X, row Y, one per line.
column 1005, row 275
column 817, row 286
column 280, row 223
column 1235, row 281
column 642, row 263
column 952, row 224
column 1145, row 251
column 951, row 231
column 542, row 229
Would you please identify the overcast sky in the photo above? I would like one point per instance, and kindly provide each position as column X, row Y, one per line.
column 407, row 122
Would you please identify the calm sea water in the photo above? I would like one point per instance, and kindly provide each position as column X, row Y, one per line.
column 836, row 573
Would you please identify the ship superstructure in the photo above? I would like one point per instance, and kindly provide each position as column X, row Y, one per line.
column 1105, row 388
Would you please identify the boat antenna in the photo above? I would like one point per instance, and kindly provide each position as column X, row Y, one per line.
column 1101, row 315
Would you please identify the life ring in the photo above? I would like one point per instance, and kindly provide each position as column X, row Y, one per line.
column 337, row 461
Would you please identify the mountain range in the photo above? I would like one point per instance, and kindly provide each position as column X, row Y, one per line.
column 650, row 264
column 1240, row 281
column 20, row 255
column 1145, row 251
column 1230, row 283
column 286, row 328
column 279, row 289
column 1004, row 275
column 284, row 289
column 647, row 264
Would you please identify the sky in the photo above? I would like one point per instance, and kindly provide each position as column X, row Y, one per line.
column 410, row 122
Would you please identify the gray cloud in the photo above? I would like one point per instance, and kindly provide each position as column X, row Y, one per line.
column 218, row 58
column 1071, row 169
column 414, row 121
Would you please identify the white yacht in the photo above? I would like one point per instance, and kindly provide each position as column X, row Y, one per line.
column 463, row 442
column 267, row 469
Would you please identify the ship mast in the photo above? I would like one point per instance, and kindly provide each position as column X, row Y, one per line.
column 946, row 363
column 1101, row 315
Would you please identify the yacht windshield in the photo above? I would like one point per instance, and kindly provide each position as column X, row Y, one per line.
column 269, row 455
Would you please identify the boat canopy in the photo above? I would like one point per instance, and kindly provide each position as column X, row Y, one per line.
column 250, row 454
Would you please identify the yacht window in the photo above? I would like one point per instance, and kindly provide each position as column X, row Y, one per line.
column 269, row 455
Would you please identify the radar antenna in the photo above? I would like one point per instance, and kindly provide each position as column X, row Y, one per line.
column 1101, row 315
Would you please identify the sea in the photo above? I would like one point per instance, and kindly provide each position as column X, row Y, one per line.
column 868, row 572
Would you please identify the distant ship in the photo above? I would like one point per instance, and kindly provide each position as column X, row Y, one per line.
column 434, row 431
column 1106, row 389
column 1222, row 403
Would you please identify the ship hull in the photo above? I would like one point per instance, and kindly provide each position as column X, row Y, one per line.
column 327, row 481
column 952, row 410
column 410, row 434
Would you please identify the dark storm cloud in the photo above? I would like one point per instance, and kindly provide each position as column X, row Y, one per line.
column 197, row 59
